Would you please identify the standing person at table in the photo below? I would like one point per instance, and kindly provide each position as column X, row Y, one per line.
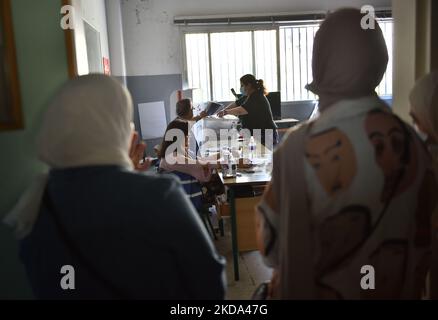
column 254, row 111
column 127, row 235
column 352, row 188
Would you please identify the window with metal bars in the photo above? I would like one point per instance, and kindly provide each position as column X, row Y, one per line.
column 281, row 56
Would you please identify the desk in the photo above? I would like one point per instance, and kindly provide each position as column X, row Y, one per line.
column 245, row 179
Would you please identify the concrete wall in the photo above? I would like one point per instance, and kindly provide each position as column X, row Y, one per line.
column 94, row 13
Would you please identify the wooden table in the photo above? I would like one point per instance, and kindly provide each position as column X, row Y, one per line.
column 243, row 179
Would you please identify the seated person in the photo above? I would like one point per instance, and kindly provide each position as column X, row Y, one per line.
column 128, row 235
column 188, row 161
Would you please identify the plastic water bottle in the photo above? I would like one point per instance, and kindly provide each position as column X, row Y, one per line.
column 252, row 148
column 233, row 166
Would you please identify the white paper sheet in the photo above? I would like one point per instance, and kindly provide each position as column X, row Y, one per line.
column 152, row 120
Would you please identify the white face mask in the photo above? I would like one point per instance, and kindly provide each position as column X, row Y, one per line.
column 423, row 136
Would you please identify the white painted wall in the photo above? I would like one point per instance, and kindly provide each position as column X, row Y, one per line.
column 92, row 11
column 153, row 44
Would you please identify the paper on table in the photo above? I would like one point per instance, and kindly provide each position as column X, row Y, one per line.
column 152, row 120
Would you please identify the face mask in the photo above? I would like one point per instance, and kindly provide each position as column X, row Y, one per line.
column 423, row 136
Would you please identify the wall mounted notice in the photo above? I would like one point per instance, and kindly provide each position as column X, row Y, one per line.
column 152, row 120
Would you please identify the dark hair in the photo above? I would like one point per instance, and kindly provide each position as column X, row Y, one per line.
column 176, row 124
column 249, row 79
column 183, row 107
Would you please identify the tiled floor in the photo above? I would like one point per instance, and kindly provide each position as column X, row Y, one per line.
column 252, row 270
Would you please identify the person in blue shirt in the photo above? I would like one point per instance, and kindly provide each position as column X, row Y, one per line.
column 125, row 234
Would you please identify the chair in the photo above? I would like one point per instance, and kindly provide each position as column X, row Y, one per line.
column 205, row 216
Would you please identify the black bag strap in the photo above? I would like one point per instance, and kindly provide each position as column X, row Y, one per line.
column 76, row 252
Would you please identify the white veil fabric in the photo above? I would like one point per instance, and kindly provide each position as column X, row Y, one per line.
column 88, row 123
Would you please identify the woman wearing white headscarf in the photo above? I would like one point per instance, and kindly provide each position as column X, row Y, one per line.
column 127, row 235
column 424, row 112
column 347, row 188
